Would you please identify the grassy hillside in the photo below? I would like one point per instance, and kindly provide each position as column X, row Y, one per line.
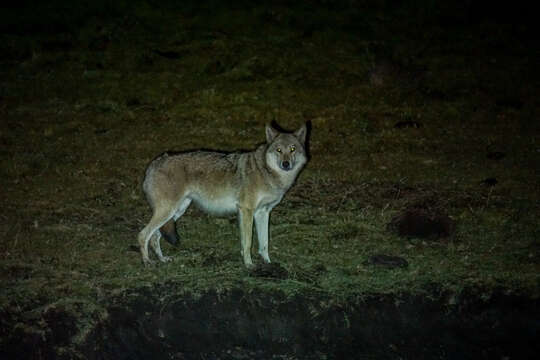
column 432, row 108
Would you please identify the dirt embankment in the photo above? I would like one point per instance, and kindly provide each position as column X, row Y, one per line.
column 153, row 323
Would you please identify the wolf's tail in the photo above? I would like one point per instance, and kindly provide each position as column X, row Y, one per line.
column 168, row 231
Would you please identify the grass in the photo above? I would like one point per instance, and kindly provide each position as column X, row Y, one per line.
column 86, row 106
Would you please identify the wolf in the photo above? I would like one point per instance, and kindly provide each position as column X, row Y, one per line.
column 248, row 184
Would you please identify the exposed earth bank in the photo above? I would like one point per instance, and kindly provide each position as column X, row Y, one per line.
column 154, row 323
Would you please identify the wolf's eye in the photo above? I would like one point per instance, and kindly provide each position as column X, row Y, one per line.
column 278, row 150
column 293, row 148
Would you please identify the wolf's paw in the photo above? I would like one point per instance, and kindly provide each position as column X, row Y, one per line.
column 148, row 262
column 165, row 259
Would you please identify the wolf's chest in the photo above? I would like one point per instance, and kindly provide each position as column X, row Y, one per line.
column 268, row 200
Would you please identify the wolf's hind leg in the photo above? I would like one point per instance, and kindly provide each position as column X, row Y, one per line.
column 168, row 230
column 160, row 217
column 154, row 243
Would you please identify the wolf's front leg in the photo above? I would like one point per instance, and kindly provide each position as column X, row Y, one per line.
column 143, row 239
column 245, row 219
column 261, row 223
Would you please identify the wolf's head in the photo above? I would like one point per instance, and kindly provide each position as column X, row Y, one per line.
column 286, row 151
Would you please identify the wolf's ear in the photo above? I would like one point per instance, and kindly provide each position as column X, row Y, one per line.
column 271, row 133
column 301, row 134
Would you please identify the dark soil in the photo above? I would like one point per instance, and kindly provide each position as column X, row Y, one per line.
column 387, row 261
column 264, row 325
column 152, row 323
column 422, row 224
column 270, row 271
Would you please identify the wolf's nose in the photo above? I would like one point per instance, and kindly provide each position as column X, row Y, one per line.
column 286, row 165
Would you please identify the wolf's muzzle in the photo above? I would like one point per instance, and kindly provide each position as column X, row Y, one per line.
column 286, row 165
